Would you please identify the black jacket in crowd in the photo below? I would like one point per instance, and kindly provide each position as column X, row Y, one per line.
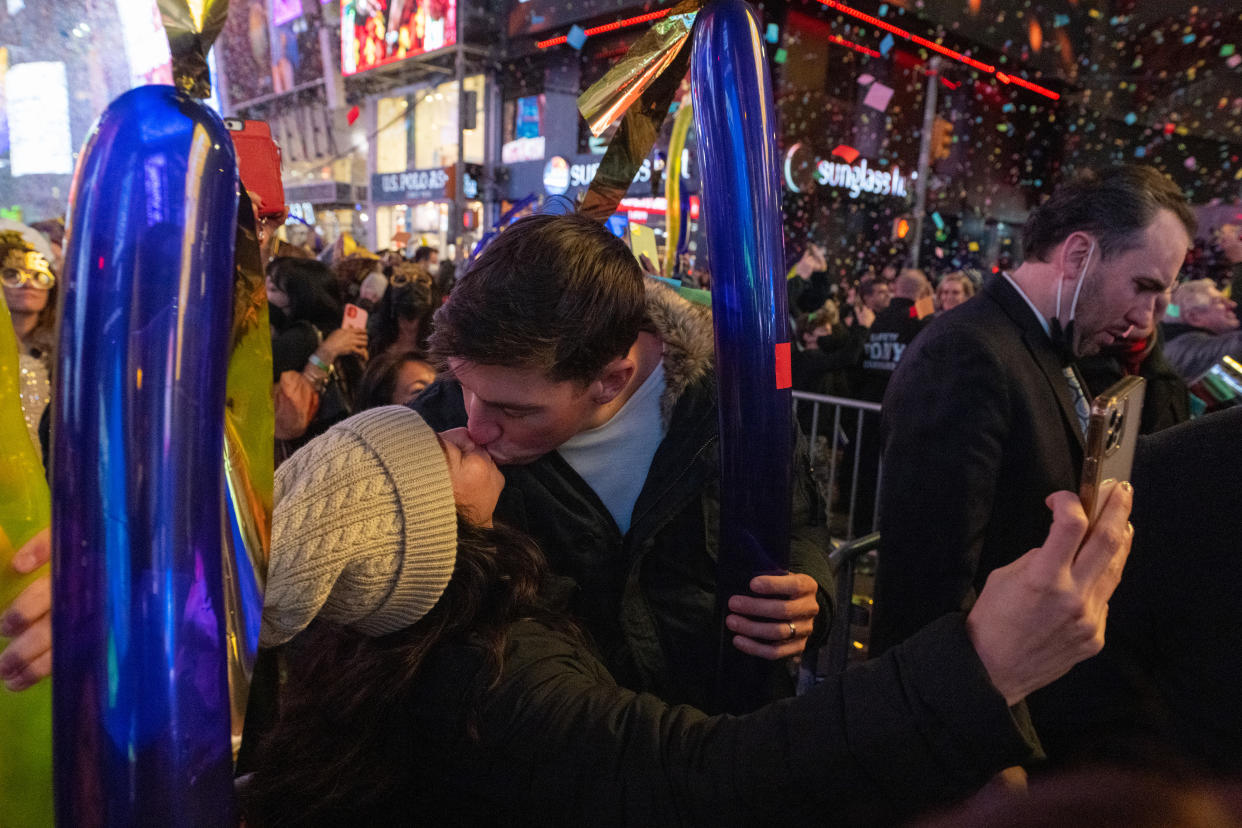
column 891, row 333
column 559, row 743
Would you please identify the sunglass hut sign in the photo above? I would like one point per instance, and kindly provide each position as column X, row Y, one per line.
column 804, row 172
column 858, row 178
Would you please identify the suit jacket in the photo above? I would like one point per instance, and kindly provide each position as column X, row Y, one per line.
column 979, row 429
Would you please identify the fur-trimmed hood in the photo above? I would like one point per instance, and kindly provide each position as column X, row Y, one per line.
column 689, row 345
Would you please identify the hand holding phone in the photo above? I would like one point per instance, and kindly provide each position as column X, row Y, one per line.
column 1112, row 435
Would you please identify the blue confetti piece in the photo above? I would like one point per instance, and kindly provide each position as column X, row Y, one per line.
column 772, row 34
column 1060, row 20
column 883, row 11
column 939, row 221
column 1190, row 38
column 1140, row 152
column 1008, row 108
column 886, row 45
column 1131, row 118
column 576, row 37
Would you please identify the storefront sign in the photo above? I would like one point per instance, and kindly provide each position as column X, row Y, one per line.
column 803, row 171
column 652, row 204
column 560, row 176
column 411, row 185
column 857, row 178
column 556, row 175
column 523, row 149
column 571, row 174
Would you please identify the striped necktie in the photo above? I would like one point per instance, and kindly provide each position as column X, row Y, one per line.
column 1082, row 406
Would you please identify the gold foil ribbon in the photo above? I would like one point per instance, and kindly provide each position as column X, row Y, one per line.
column 192, row 26
column 641, row 86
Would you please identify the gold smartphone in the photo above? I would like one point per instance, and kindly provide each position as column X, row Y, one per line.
column 1112, row 434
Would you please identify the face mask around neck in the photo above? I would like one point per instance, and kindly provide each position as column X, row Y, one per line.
column 1063, row 335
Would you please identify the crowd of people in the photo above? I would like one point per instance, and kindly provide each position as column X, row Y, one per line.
column 524, row 626
column 348, row 336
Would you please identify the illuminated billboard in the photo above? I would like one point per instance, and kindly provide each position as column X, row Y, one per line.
column 377, row 32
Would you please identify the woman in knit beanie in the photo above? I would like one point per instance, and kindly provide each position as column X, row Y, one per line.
column 428, row 683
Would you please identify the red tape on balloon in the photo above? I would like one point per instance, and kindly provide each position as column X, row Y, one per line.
column 784, row 372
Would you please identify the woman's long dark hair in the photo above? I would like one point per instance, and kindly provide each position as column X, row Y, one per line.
column 337, row 752
column 314, row 295
column 379, row 380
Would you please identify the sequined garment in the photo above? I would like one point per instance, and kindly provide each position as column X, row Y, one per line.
column 36, row 391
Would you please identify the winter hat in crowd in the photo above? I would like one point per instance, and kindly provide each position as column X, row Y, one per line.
column 364, row 531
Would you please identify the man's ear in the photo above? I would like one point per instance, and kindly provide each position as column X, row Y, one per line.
column 1074, row 253
column 612, row 380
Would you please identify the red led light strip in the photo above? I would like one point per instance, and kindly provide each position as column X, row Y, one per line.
column 936, row 47
column 1026, row 84
column 607, row 27
column 849, row 44
column 863, row 16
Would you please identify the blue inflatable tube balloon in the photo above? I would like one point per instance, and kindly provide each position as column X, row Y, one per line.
column 734, row 122
column 140, row 702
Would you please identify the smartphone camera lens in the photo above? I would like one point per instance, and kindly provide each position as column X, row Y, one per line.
column 1115, row 430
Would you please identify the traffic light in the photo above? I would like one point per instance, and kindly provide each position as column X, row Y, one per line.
column 941, row 139
column 901, row 227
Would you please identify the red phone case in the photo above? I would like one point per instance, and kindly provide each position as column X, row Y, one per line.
column 258, row 163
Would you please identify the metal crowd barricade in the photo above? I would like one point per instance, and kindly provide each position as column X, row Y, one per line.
column 847, row 550
column 839, row 443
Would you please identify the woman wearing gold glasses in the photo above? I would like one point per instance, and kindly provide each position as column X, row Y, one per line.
column 30, row 293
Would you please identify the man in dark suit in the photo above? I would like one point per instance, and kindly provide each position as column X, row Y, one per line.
column 985, row 415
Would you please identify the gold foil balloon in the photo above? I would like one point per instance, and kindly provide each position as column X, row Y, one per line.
column 639, row 90
column 192, row 26
column 249, row 439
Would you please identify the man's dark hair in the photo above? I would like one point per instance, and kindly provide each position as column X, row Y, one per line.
column 556, row 293
column 1115, row 205
column 868, row 286
column 423, row 253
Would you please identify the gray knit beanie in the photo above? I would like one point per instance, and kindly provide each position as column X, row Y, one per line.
column 364, row 531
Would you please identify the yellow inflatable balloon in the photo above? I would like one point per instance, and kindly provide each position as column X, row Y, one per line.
column 25, row 510
column 672, row 185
